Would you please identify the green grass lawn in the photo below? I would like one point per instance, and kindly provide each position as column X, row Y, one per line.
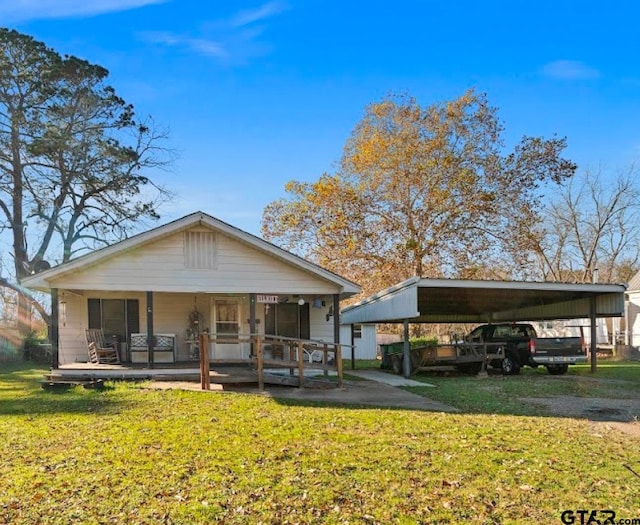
column 498, row 394
column 133, row 455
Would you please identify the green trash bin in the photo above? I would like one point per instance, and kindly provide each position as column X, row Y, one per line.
column 387, row 350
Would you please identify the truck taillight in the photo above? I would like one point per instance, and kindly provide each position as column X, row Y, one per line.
column 532, row 346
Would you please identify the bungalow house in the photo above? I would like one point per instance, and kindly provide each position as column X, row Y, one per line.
column 191, row 276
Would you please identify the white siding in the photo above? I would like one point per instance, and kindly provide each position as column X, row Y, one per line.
column 573, row 328
column 74, row 322
column 633, row 321
column 321, row 329
column 160, row 266
column 366, row 346
column 170, row 315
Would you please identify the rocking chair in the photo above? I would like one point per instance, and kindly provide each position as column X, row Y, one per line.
column 99, row 351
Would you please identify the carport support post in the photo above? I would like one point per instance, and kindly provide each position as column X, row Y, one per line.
column 406, row 351
column 594, row 335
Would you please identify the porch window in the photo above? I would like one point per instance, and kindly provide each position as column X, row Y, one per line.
column 288, row 320
column 116, row 317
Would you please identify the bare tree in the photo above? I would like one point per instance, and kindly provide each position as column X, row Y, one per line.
column 593, row 223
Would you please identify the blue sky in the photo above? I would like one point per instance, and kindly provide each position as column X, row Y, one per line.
column 255, row 94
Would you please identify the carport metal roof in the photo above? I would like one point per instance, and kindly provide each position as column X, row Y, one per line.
column 419, row 300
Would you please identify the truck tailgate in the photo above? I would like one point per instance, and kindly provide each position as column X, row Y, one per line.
column 559, row 350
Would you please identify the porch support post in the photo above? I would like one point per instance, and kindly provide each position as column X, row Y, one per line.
column 301, row 364
column 260, row 356
column 336, row 318
column 594, row 334
column 252, row 313
column 252, row 321
column 54, row 332
column 406, row 351
column 150, row 340
column 336, row 335
column 205, row 379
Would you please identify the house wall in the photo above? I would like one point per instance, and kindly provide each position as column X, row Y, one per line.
column 633, row 320
column 573, row 328
column 160, row 266
column 74, row 320
column 171, row 315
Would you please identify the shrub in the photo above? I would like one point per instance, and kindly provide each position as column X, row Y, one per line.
column 417, row 342
column 36, row 348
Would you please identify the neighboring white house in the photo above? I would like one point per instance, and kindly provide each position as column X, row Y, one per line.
column 632, row 312
column 573, row 328
column 192, row 275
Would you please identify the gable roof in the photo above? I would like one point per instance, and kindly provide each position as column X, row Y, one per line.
column 634, row 283
column 43, row 279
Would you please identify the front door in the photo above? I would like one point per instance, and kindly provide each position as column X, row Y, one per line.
column 225, row 323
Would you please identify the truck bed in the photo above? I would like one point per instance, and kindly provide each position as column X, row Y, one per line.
column 559, row 350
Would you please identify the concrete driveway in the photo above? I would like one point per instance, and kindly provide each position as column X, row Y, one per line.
column 372, row 391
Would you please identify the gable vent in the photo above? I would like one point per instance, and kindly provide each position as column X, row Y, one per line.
column 200, row 250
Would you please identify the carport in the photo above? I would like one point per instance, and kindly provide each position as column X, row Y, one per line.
column 420, row 300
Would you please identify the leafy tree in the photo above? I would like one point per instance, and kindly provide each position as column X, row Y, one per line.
column 422, row 191
column 72, row 157
column 592, row 223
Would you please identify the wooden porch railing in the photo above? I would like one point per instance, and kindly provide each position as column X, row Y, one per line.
column 269, row 351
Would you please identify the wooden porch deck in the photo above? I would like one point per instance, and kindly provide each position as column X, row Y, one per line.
column 286, row 362
column 185, row 371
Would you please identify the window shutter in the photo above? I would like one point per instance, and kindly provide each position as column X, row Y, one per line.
column 133, row 317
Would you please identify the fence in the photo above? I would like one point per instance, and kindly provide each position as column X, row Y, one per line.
column 269, row 351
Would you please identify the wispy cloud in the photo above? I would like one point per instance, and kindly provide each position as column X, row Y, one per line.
column 201, row 46
column 569, row 70
column 233, row 41
column 24, row 10
column 249, row 16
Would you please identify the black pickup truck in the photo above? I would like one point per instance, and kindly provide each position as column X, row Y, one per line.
column 511, row 346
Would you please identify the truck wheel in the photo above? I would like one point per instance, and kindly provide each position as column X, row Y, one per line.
column 396, row 364
column 510, row 366
column 557, row 370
